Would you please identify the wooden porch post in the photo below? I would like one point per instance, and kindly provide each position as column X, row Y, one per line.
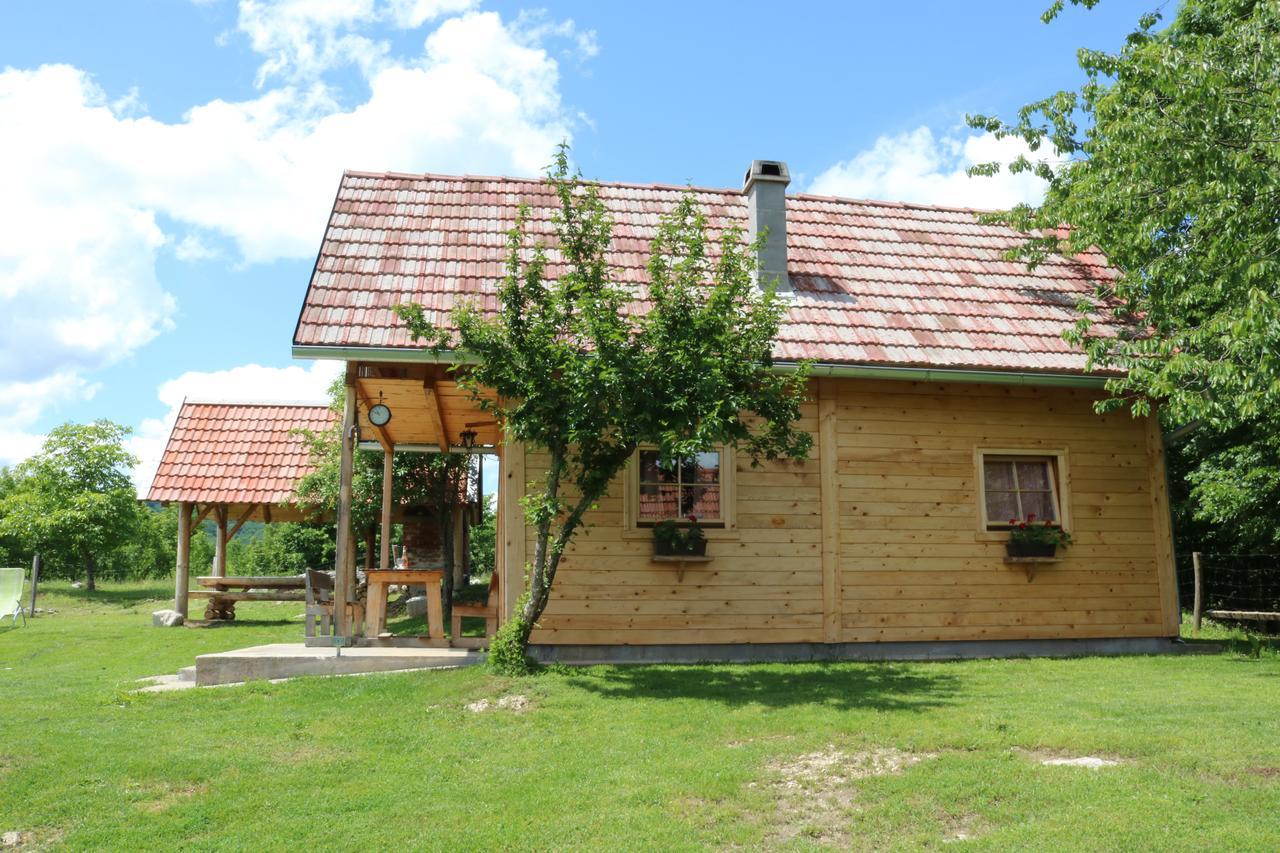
column 220, row 542
column 388, row 471
column 181, row 579
column 344, row 581
column 512, row 488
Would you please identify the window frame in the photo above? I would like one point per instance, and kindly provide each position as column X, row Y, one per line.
column 725, row 528
column 1059, row 480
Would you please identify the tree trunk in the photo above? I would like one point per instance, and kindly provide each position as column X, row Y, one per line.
column 547, row 552
column 89, row 583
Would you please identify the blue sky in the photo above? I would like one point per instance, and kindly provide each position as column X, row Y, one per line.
column 170, row 164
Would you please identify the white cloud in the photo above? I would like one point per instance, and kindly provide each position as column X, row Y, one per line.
column 98, row 182
column 247, row 383
column 919, row 167
column 411, row 14
column 22, row 402
column 192, row 248
column 301, row 39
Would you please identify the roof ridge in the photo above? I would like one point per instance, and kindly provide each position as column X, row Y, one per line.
column 907, row 205
column 633, row 185
column 288, row 404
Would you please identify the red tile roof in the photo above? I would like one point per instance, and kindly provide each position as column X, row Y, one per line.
column 237, row 453
column 875, row 283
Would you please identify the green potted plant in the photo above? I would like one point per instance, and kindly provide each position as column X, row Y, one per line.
column 674, row 540
column 1029, row 538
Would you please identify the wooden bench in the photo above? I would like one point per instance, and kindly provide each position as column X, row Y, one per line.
column 224, row 592
column 488, row 611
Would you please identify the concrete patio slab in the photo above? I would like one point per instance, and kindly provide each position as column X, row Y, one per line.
column 289, row 660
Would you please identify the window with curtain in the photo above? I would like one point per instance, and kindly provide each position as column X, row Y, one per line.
column 677, row 489
column 1015, row 487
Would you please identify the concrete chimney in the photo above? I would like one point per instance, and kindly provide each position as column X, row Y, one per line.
column 765, row 187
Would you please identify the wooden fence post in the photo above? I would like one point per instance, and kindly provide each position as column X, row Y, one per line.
column 1199, row 589
column 36, row 563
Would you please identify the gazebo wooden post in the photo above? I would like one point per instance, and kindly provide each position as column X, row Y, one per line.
column 220, row 514
column 388, row 457
column 344, row 580
column 181, row 579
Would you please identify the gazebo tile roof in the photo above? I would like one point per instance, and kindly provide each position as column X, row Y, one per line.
column 237, row 452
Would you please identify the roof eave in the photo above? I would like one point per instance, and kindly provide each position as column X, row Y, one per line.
column 861, row 371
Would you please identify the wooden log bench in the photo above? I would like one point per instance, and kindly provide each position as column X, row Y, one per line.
column 1268, row 621
column 224, row 592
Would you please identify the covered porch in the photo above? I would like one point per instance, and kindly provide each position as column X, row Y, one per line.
column 397, row 407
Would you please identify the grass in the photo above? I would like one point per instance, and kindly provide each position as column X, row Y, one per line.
column 650, row 757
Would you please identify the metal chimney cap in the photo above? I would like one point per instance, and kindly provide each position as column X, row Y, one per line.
column 772, row 171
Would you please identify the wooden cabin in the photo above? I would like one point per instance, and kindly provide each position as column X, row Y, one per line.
column 944, row 402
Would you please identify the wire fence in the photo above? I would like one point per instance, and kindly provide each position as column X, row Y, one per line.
column 1239, row 582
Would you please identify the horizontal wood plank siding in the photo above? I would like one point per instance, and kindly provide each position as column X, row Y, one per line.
column 908, row 557
column 763, row 585
column 916, row 564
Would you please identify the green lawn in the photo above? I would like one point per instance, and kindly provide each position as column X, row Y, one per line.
column 606, row 758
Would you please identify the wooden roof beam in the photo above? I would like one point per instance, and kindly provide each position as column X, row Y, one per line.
column 435, row 414
column 240, row 521
column 204, row 513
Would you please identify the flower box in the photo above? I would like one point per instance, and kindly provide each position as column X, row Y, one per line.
column 1031, row 549
column 666, row 548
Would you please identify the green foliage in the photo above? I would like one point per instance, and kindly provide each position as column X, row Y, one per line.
column 1030, row 532
column 282, row 549
column 74, row 502
column 679, row 537
column 483, row 544
column 1166, row 159
column 1225, row 490
column 151, row 550
column 507, row 648
column 580, row 374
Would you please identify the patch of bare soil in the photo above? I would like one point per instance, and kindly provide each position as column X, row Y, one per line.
column 513, row 702
column 814, row 792
column 1264, row 772
column 1061, row 759
column 162, row 796
column 738, row 744
column 960, row 828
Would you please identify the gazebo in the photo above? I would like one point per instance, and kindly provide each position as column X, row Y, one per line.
column 234, row 463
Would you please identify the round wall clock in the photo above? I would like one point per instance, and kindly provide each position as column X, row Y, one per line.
column 379, row 415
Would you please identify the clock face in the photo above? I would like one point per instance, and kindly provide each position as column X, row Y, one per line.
column 379, row 415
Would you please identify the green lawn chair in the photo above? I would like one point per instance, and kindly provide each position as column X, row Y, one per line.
column 11, row 595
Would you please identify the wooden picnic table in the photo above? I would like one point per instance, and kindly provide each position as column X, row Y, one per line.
column 224, row 592
column 380, row 579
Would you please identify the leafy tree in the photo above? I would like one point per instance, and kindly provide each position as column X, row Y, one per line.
column 10, row 548
column 151, row 550
column 74, row 501
column 587, row 380
column 1175, row 176
column 285, row 548
column 1166, row 158
column 483, row 544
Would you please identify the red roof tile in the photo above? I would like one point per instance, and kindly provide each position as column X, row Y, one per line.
column 237, row 453
column 875, row 282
